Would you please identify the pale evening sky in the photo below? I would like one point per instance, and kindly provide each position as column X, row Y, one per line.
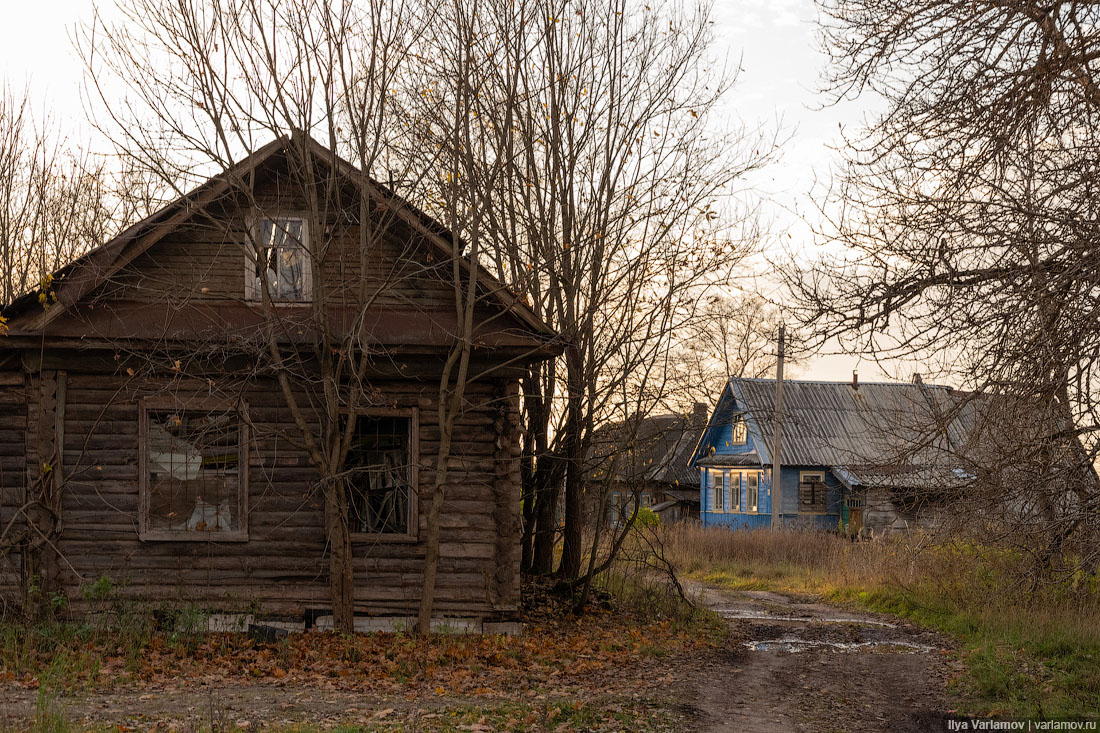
column 774, row 39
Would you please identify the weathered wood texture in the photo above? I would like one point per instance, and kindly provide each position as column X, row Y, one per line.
column 282, row 566
column 391, row 289
column 43, row 483
column 13, row 428
column 207, row 258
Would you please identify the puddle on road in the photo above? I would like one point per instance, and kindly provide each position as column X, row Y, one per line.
column 743, row 615
column 794, row 646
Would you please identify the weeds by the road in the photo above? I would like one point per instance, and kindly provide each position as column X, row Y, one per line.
column 1029, row 650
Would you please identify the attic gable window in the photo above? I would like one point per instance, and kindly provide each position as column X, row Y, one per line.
column 193, row 472
column 283, row 261
column 740, row 434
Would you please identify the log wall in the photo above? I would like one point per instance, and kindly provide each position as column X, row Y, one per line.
column 13, row 428
column 282, row 568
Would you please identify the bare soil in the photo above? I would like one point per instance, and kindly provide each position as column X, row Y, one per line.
column 800, row 665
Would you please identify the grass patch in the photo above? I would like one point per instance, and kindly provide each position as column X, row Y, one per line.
column 1027, row 652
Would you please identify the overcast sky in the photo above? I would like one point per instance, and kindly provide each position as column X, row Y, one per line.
column 774, row 40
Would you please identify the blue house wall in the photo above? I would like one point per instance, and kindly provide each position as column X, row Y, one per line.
column 717, row 443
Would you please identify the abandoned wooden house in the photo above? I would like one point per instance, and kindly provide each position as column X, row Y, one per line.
column 853, row 456
column 144, row 433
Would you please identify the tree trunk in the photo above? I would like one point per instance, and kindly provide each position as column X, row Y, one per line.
column 546, row 514
column 341, row 576
column 570, row 567
column 532, row 402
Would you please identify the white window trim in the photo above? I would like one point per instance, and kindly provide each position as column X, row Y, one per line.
column 251, row 292
column 739, row 420
column 749, row 508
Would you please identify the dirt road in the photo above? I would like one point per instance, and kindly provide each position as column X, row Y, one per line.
column 798, row 665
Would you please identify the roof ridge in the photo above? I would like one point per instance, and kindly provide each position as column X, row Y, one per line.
column 862, row 383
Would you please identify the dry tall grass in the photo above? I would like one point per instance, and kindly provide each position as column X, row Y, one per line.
column 810, row 560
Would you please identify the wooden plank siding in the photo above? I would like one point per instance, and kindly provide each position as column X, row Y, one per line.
column 13, row 429
column 282, row 567
column 205, row 260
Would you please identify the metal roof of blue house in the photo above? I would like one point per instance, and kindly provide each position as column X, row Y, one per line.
column 840, row 423
column 869, row 433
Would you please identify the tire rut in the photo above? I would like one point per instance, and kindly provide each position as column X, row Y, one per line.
column 802, row 665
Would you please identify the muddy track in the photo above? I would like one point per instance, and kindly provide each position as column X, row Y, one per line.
column 800, row 665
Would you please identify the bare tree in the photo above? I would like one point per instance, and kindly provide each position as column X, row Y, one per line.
column 54, row 199
column 615, row 209
column 730, row 336
column 966, row 211
column 208, row 84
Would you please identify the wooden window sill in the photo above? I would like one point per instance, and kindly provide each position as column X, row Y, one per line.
column 392, row 538
column 169, row 535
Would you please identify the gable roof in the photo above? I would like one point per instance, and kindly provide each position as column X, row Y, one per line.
column 876, row 433
column 836, row 423
column 656, row 448
column 82, row 276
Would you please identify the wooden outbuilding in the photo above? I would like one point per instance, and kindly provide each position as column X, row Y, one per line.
column 144, row 435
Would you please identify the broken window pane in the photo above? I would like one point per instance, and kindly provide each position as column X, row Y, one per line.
column 193, row 459
column 284, row 261
column 378, row 466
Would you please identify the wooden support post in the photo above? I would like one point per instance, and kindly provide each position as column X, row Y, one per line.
column 506, row 493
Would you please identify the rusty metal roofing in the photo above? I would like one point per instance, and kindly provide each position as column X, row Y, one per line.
column 841, row 424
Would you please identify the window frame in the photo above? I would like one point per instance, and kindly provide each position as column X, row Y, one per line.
column 735, row 492
column 739, row 426
column 752, row 507
column 252, row 291
column 198, row 404
column 412, row 533
column 802, row 476
column 717, row 490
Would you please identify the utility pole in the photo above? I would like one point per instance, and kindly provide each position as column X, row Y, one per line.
column 777, row 439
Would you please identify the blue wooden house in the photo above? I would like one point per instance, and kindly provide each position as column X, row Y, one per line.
column 854, row 455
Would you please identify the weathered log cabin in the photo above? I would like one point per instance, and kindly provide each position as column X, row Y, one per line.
column 145, row 434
